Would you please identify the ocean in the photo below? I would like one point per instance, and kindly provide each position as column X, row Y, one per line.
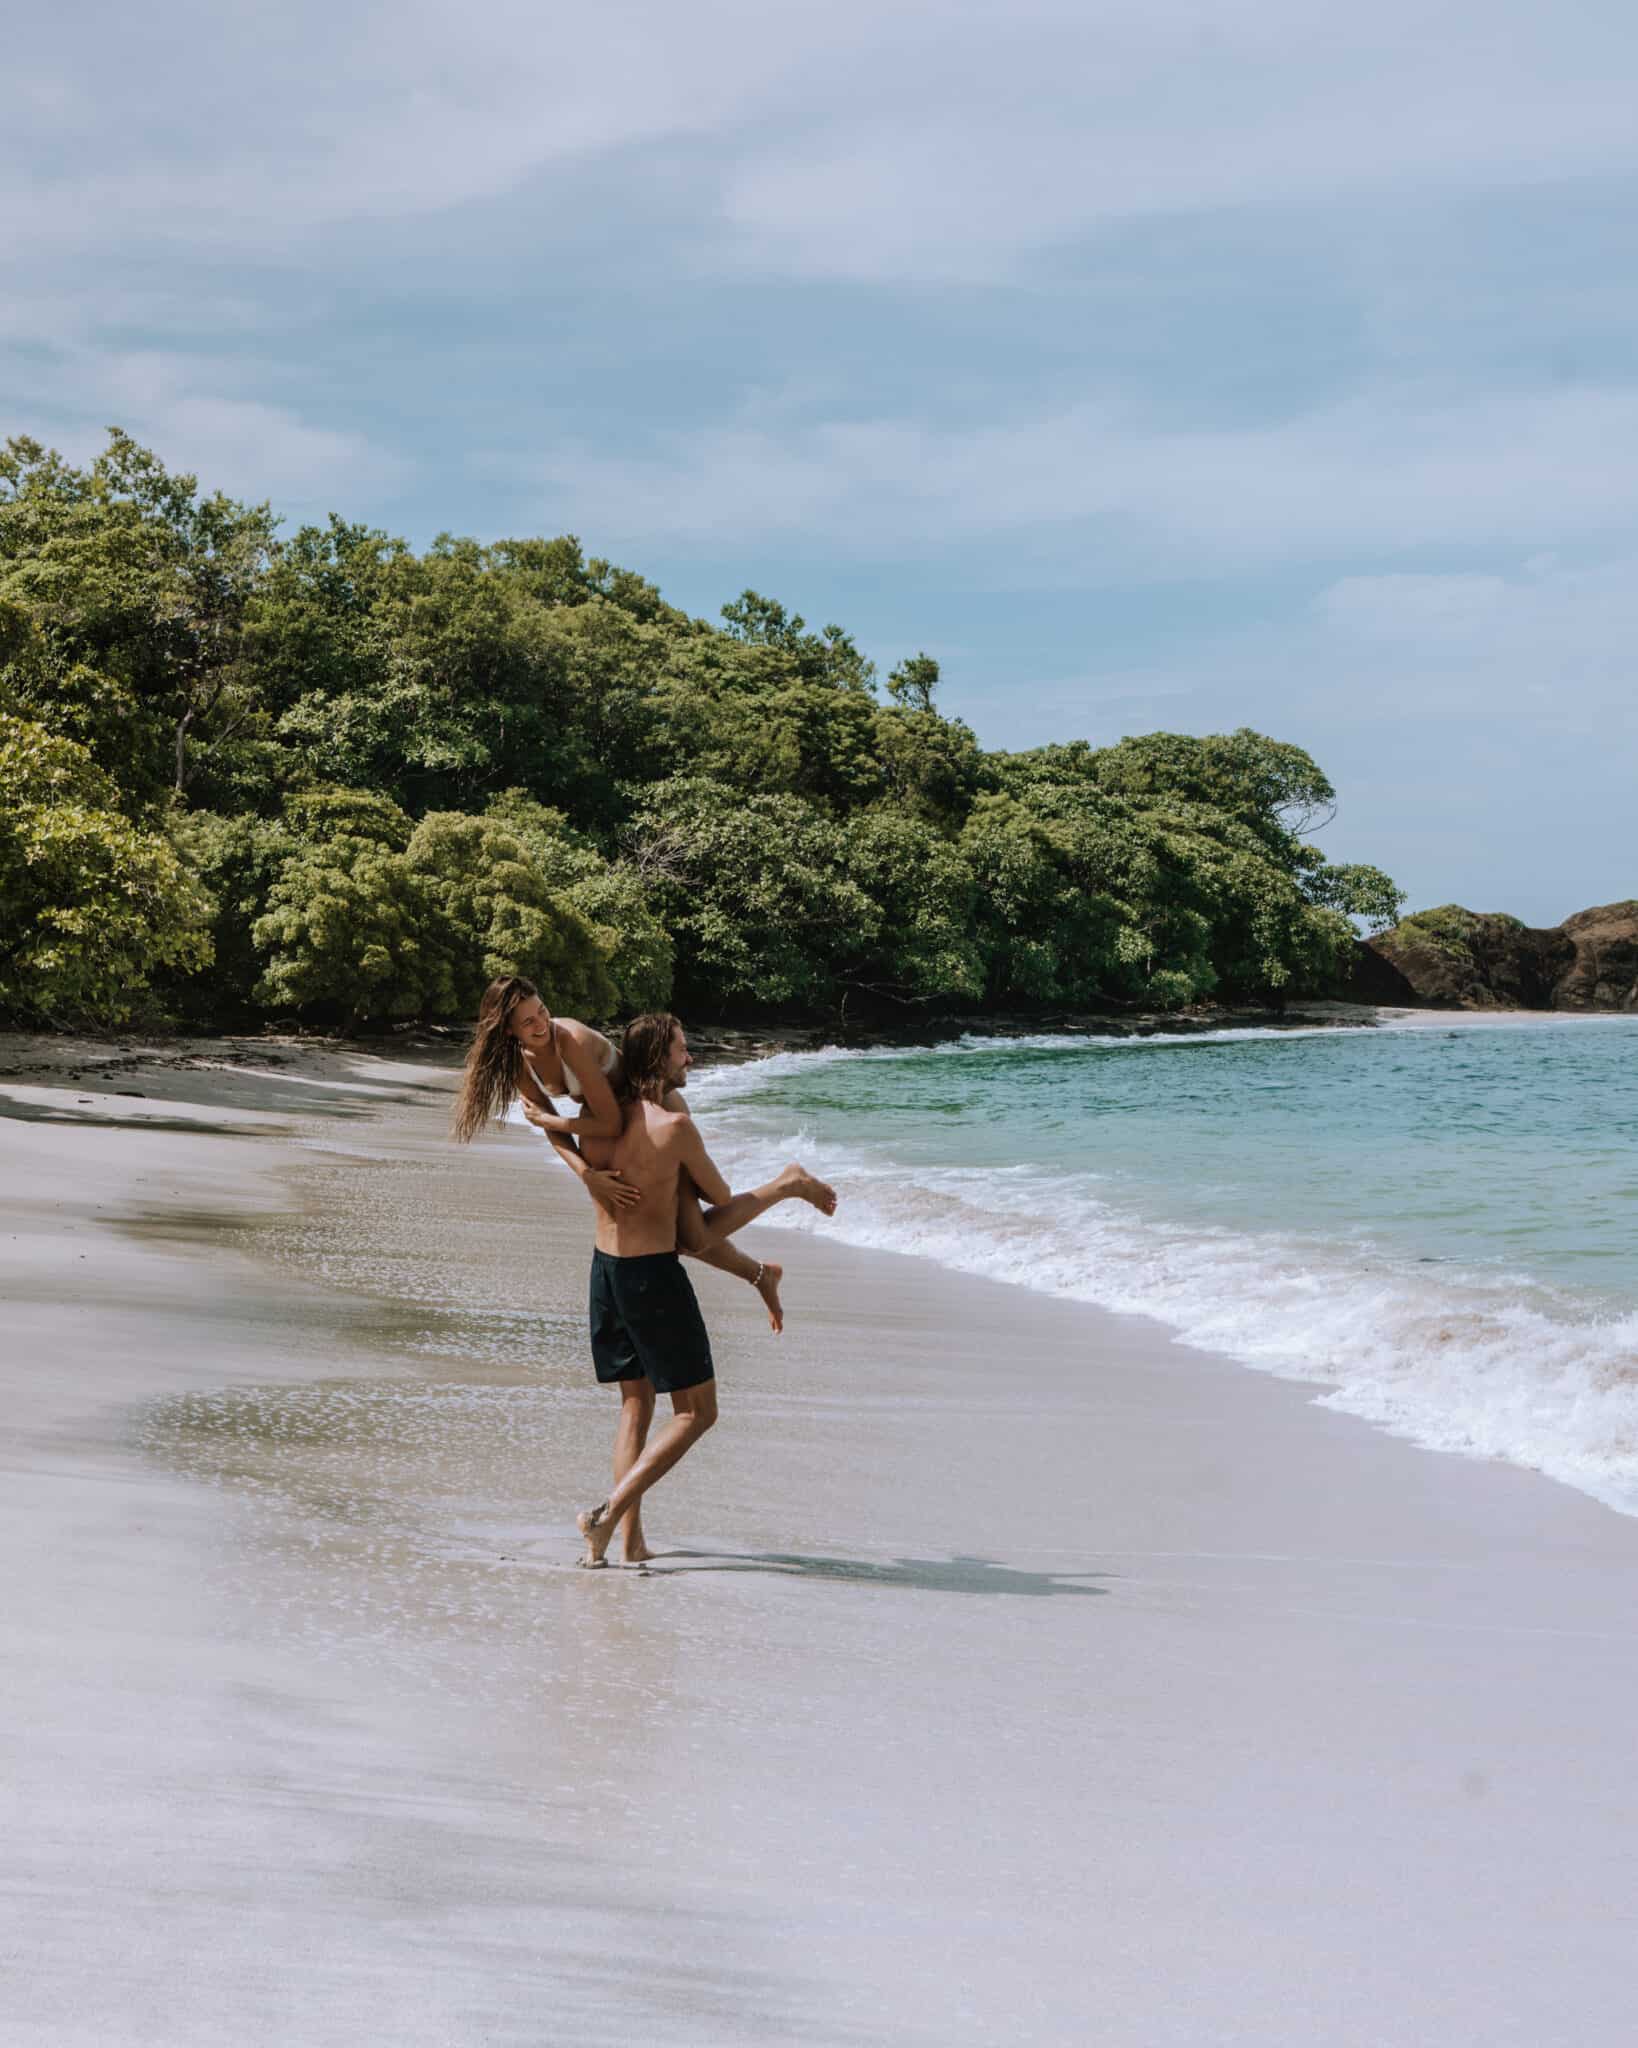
column 1434, row 1219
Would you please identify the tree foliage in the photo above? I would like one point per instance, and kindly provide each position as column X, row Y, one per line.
column 91, row 904
column 325, row 774
column 137, row 589
column 492, row 912
column 635, row 946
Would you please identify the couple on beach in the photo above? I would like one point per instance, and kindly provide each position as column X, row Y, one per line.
column 639, row 1155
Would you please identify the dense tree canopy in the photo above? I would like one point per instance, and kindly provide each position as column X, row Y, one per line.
column 321, row 775
column 91, row 903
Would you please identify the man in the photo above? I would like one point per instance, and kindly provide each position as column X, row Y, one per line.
column 647, row 1333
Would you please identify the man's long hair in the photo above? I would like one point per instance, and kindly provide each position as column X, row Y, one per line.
column 489, row 1085
column 645, row 1053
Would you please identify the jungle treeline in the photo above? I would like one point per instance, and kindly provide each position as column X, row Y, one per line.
column 320, row 777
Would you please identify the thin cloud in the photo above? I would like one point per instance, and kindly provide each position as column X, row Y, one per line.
column 1392, row 471
column 194, row 411
column 1254, row 361
column 887, row 141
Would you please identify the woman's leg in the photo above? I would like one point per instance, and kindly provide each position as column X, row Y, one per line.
column 703, row 1233
column 693, row 1238
column 791, row 1183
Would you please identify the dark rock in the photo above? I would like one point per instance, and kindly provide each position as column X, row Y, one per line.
column 1375, row 978
column 1602, row 973
column 1451, row 958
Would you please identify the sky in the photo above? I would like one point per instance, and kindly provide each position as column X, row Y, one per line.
column 1155, row 364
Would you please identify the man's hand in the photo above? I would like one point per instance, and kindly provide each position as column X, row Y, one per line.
column 542, row 1119
column 609, row 1191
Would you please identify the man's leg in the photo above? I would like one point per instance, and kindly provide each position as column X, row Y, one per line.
column 694, row 1412
column 636, row 1413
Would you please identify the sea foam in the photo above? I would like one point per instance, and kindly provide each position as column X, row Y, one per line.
column 1474, row 1359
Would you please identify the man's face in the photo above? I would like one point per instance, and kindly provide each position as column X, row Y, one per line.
column 532, row 1024
column 678, row 1061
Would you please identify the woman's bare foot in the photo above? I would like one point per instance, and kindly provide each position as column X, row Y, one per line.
column 636, row 1553
column 796, row 1180
column 766, row 1284
column 597, row 1526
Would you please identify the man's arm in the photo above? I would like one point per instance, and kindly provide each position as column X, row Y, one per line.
column 607, row 1188
column 701, row 1167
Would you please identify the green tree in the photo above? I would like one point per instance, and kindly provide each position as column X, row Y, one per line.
column 636, row 947
column 138, row 590
column 349, row 936
column 1075, row 903
column 732, row 806
column 446, row 688
column 494, row 914
column 1275, row 788
column 920, row 945
column 771, row 710
column 931, row 765
column 913, row 683
column 445, row 677
column 829, row 657
column 1353, row 888
column 325, row 814
column 755, row 892
column 238, row 860
column 90, row 904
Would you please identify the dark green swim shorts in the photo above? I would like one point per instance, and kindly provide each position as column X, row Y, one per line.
column 646, row 1324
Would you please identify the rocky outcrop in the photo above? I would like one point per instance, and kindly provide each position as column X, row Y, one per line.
column 1603, row 975
column 1451, row 958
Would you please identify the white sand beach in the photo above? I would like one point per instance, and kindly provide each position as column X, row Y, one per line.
column 1010, row 1674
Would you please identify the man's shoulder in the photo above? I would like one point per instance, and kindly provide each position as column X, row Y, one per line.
column 666, row 1126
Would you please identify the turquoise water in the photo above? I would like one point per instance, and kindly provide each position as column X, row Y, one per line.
column 1436, row 1219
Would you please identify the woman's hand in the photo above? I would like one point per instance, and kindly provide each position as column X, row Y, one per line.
column 609, row 1191
column 544, row 1119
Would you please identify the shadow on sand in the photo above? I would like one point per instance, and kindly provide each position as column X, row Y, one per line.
column 924, row 1574
column 135, row 1120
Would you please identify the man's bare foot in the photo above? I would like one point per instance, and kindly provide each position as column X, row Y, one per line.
column 767, row 1285
column 796, row 1180
column 597, row 1526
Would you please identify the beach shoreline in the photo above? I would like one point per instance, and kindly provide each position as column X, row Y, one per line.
column 30, row 1054
column 1011, row 1673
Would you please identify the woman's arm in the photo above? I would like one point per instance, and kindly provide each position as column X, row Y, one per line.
column 601, row 1116
column 604, row 1185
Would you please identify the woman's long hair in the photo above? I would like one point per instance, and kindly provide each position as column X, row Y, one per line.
column 645, row 1052
column 489, row 1085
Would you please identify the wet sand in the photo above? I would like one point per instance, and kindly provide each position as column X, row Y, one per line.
column 1010, row 1674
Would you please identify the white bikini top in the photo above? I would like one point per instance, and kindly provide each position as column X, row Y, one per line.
column 571, row 1080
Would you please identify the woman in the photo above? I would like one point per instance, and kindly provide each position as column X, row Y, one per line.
column 521, row 1049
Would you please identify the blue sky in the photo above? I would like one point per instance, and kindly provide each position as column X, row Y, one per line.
column 1154, row 365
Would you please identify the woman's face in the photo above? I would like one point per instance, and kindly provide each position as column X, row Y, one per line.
column 531, row 1025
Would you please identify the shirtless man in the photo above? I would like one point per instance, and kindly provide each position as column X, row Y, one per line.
column 647, row 1333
